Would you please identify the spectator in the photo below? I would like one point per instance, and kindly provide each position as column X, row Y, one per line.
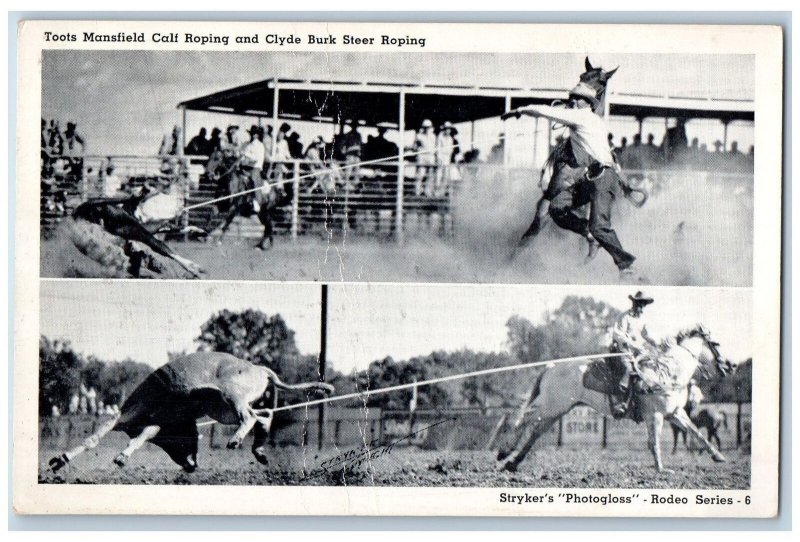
column 199, row 144
column 446, row 151
column 230, row 143
column 71, row 140
column 267, row 147
column 675, row 144
column 252, row 163
column 610, row 140
column 170, row 143
column 425, row 149
column 497, row 151
column 351, row 148
column 215, row 142
column 112, row 184
column 281, row 154
column 295, row 146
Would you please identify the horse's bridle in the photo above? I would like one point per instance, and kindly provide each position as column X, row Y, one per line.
column 723, row 366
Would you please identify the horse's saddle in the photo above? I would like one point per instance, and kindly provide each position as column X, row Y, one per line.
column 603, row 376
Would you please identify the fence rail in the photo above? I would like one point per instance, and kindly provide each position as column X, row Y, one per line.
column 462, row 428
column 372, row 201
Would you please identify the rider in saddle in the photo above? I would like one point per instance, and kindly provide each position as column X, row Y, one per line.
column 251, row 163
column 629, row 336
column 571, row 188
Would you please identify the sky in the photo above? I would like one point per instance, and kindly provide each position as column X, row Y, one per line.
column 125, row 101
column 366, row 322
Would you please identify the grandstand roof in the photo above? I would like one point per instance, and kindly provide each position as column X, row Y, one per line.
column 375, row 102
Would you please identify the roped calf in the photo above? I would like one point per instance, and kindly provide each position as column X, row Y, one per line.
column 165, row 407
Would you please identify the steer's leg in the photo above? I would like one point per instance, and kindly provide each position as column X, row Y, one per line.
column 681, row 419
column 247, row 419
column 147, row 433
column 263, row 424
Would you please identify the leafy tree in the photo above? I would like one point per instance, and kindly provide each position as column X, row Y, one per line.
column 256, row 337
column 59, row 374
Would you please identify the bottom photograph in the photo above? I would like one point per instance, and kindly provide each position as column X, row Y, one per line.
column 394, row 385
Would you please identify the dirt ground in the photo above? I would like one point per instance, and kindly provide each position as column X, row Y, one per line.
column 410, row 466
column 691, row 233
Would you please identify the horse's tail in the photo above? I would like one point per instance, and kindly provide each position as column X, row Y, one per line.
column 534, row 393
column 320, row 386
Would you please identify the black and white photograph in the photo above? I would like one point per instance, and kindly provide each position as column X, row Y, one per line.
column 410, row 167
column 223, row 384
column 345, row 269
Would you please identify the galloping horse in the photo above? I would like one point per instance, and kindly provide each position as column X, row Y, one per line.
column 662, row 394
column 224, row 169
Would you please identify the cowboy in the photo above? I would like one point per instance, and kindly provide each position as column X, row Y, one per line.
column 630, row 336
column 230, row 142
column 570, row 189
column 252, row 162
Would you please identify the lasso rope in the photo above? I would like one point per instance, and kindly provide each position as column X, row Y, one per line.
column 329, row 170
column 471, row 374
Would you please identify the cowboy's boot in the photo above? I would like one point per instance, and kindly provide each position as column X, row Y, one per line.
column 594, row 247
column 622, row 409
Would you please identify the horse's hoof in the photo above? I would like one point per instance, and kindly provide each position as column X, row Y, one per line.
column 120, row 460
column 510, row 467
column 260, row 456
column 234, row 444
column 719, row 458
column 662, row 470
column 502, row 454
column 57, row 463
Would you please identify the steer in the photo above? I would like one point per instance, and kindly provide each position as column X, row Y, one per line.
column 165, row 407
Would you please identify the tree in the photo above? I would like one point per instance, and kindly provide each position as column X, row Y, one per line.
column 59, row 374
column 254, row 336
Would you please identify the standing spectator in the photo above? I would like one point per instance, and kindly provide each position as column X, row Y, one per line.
column 72, row 139
column 199, row 145
column 295, row 146
column 170, row 143
column 112, row 184
column 230, row 143
column 351, row 147
column 267, row 150
column 446, row 150
column 425, row 149
column 281, row 154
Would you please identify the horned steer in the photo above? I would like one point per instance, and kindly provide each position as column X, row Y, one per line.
column 165, row 407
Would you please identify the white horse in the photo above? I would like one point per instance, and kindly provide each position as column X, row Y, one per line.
column 660, row 395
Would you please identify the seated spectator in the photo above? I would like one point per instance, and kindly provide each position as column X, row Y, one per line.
column 199, row 144
column 71, row 140
column 230, row 142
column 215, row 142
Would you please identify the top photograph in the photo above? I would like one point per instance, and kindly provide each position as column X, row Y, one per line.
column 405, row 166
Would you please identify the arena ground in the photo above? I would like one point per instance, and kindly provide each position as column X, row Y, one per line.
column 410, row 466
column 693, row 231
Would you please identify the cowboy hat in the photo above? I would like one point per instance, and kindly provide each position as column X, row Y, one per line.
column 254, row 130
column 585, row 92
column 427, row 123
column 639, row 297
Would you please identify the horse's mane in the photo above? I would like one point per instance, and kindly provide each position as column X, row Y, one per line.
column 689, row 332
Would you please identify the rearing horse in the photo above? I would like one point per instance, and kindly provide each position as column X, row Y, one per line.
column 662, row 394
column 564, row 171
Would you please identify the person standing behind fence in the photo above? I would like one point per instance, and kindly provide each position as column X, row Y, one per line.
column 446, row 151
column 425, row 150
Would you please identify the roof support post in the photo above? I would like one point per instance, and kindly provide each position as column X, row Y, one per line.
column 182, row 138
column 506, row 109
column 725, row 124
column 275, row 105
column 401, row 170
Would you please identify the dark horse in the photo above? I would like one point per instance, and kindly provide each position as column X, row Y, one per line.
column 708, row 418
column 565, row 172
column 230, row 178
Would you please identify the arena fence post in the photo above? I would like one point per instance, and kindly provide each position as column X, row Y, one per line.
column 295, row 198
column 738, row 424
column 560, row 432
column 401, row 171
column 605, row 432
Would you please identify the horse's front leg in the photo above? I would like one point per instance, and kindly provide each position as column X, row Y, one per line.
column 654, row 427
column 265, row 216
column 682, row 420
